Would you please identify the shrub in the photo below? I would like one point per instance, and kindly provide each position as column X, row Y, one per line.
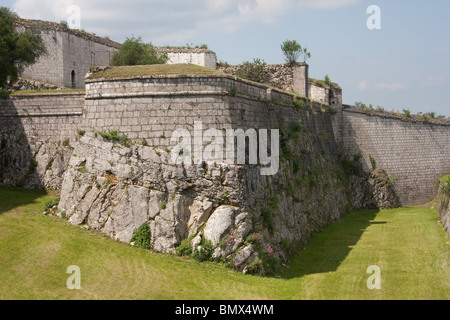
column 255, row 238
column 204, row 251
column 134, row 52
column 141, row 237
column 291, row 50
column 267, row 217
column 51, row 203
column 373, row 162
column 184, row 249
column 113, row 135
column 256, row 267
column 254, row 71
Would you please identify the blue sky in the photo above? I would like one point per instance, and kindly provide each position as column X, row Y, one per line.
column 404, row 65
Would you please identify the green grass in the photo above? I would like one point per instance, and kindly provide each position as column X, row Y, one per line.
column 408, row 244
column 153, row 70
column 31, row 92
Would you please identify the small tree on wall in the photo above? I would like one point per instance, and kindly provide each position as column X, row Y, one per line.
column 292, row 51
column 135, row 52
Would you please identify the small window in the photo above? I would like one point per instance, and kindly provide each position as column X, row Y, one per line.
column 73, row 79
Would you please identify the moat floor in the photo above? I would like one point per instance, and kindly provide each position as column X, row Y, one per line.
column 405, row 249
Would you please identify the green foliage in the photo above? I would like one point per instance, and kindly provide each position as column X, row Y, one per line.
column 372, row 162
column 82, row 168
column 184, row 249
column 204, row 251
column 51, row 203
column 135, row 52
column 17, row 50
column 407, row 113
column 267, row 217
column 113, row 135
column 141, row 237
column 352, row 166
column 431, row 115
column 254, row 71
column 163, row 205
column 327, row 80
column 298, row 104
column 292, row 51
column 81, row 132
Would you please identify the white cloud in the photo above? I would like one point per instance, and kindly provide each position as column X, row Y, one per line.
column 396, row 86
column 434, row 81
column 363, row 85
column 393, row 86
column 326, row 4
column 168, row 20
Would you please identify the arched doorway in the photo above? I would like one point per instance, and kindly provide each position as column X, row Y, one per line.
column 73, row 79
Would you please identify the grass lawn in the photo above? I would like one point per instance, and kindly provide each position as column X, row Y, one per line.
column 408, row 245
column 153, row 70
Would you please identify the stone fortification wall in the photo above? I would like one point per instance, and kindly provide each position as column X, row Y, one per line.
column 43, row 117
column 116, row 188
column 414, row 154
column 35, row 136
column 152, row 108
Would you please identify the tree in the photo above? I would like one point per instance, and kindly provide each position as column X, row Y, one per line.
column 135, row 52
column 254, row 71
column 292, row 50
column 17, row 49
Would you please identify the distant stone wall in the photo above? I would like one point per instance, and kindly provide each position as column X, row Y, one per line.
column 80, row 55
column 204, row 59
column 70, row 53
column 50, row 66
column 414, row 154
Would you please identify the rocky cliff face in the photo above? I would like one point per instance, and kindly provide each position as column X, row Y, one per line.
column 231, row 212
column 34, row 165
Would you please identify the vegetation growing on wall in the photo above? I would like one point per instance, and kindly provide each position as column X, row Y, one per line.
column 292, row 51
column 17, row 50
column 406, row 114
column 253, row 71
column 135, row 52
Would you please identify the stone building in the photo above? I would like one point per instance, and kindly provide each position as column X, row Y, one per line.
column 182, row 55
column 70, row 53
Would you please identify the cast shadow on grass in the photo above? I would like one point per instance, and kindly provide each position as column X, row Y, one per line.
column 329, row 248
column 13, row 197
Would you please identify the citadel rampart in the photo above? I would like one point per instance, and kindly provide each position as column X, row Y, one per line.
column 415, row 154
column 115, row 188
column 152, row 107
